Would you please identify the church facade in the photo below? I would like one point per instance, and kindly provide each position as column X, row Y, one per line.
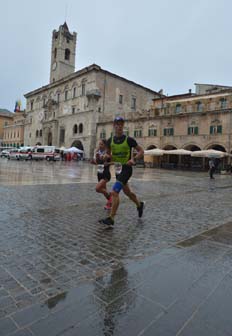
column 70, row 109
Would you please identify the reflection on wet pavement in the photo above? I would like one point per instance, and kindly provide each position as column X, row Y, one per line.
column 43, row 172
column 62, row 273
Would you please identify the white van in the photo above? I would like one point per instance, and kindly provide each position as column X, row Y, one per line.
column 49, row 153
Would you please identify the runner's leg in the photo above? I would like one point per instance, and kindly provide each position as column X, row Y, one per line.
column 127, row 191
column 102, row 189
column 115, row 203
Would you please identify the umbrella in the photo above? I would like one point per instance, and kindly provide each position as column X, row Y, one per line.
column 210, row 153
column 154, row 152
column 74, row 150
column 178, row 152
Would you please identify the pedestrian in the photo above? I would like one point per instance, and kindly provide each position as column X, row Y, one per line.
column 103, row 175
column 62, row 155
column 211, row 168
column 119, row 147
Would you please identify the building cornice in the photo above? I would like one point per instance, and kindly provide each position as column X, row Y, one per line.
column 195, row 97
column 88, row 69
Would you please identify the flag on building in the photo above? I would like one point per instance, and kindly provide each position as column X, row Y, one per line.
column 17, row 106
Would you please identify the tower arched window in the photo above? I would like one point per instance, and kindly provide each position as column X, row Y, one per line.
column 55, row 53
column 67, row 54
column 37, row 133
column 40, row 133
column 81, row 128
column 75, row 129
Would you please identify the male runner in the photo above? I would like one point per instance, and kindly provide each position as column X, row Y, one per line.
column 119, row 148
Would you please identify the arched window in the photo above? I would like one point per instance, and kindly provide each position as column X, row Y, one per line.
column 67, row 54
column 55, row 53
column 83, row 88
column 193, row 129
column 37, row 133
column 40, row 133
column 138, row 133
column 215, row 129
column 152, row 131
column 81, row 128
column 75, row 129
column 74, row 92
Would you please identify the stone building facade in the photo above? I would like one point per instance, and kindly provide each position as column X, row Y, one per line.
column 13, row 131
column 6, row 118
column 69, row 109
column 190, row 121
column 193, row 121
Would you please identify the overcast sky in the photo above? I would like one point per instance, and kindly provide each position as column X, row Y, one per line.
column 166, row 44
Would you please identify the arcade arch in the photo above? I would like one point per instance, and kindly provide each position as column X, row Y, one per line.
column 78, row 144
column 151, row 147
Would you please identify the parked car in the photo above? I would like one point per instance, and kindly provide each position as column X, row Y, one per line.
column 4, row 153
column 49, row 153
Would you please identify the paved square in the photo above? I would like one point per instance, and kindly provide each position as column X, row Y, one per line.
column 62, row 273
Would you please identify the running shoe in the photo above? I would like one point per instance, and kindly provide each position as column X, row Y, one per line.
column 107, row 221
column 108, row 204
column 140, row 209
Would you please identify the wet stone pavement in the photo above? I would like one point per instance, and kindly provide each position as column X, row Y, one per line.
column 62, row 273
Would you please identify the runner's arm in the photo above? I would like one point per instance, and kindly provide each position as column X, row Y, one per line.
column 107, row 155
column 138, row 156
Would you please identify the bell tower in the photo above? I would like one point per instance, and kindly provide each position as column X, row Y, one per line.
column 63, row 53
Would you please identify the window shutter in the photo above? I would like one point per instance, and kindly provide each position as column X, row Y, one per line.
column 189, row 131
column 165, row 132
column 196, row 130
column 211, row 130
column 219, row 129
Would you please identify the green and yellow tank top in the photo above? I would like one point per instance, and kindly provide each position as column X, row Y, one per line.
column 120, row 152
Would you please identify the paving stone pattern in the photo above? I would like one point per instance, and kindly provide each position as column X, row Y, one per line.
column 168, row 273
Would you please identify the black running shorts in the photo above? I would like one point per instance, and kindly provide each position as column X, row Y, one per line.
column 104, row 176
column 125, row 174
